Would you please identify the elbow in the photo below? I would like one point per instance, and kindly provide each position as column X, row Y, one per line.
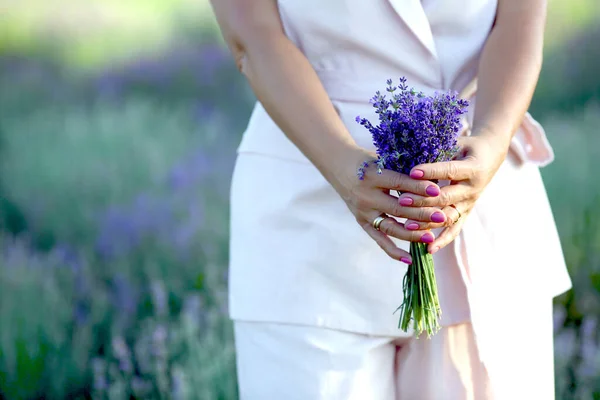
column 239, row 53
column 246, row 44
column 249, row 30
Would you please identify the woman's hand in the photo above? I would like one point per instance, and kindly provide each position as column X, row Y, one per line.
column 477, row 163
column 370, row 197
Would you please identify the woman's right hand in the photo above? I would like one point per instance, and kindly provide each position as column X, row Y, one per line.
column 370, row 197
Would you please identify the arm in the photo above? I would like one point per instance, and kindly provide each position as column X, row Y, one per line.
column 508, row 72
column 509, row 69
column 284, row 81
column 291, row 93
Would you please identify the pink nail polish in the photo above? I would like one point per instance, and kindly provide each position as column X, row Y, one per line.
column 417, row 174
column 413, row 226
column 406, row 201
column 406, row 260
column 427, row 238
column 438, row 217
column 432, row 190
column 434, row 250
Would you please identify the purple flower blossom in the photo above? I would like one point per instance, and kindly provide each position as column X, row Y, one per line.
column 413, row 128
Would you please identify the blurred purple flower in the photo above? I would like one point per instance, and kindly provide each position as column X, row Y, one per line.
column 125, row 296
column 202, row 111
column 213, row 57
column 195, row 64
column 67, row 255
column 122, row 354
column 160, row 299
column 159, row 342
column 99, row 375
column 190, row 170
column 565, row 344
column 193, row 309
column 558, row 318
column 122, row 228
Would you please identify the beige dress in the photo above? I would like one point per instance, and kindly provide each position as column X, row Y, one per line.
column 297, row 255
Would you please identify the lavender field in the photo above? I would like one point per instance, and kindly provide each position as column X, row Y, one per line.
column 114, row 185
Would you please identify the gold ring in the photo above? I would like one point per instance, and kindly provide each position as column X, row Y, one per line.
column 459, row 213
column 377, row 222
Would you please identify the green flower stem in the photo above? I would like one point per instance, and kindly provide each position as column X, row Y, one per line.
column 421, row 303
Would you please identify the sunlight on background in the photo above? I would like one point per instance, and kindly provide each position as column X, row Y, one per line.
column 118, row 127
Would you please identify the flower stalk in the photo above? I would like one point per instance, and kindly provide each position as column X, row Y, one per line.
column 415, row 129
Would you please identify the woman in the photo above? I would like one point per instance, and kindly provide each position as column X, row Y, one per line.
column 315, row 275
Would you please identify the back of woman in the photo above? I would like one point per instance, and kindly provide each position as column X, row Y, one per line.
column 312, row 291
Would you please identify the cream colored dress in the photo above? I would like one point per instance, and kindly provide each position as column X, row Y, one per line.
column 297, row 254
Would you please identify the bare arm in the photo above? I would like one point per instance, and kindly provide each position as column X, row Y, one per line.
column 284, row 81
column 509, row 68
column 293, row 96
column 508, row 72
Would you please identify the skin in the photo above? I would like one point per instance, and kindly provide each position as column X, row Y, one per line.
column 508, row 73
column 291, row 93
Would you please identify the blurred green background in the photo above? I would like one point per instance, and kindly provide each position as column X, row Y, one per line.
column 118, row 127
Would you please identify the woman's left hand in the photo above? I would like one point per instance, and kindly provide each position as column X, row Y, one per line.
column 474, row 167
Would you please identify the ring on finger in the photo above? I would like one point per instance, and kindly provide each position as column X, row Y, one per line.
column 459, row 213
column 377, row 221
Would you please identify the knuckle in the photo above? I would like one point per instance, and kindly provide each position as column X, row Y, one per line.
column 397, row 181
column 417, row 201
column 388, row 226
column 398, row 211
column 452, row 171
column 424, row 214
column 444, row 198
column 415, row 236
column 384, row 226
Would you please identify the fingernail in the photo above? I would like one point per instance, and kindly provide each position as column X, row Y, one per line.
column 434, row 250
column 438, row 217
column 427, row 238
column 413, row 226
column 432, row 190
column 417, row 174
column 406, row 260
column 406, row 201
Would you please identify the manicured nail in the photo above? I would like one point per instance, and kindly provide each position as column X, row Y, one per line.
column 427, row 238
column 432, row 190
column 406, row 201
column 417, row 174
column 438, row 217
column 434, row 250
column 413, row 226
column 406, row 260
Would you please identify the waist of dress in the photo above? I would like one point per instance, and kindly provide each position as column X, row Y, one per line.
column 360, row 88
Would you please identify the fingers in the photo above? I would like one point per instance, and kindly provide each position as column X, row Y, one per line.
column 389, row 227
column 446, row 236
column 451, row 213
column 458, row 170
column 451, row 194
column 390, row 205
column 395, row 181
column 387, row 245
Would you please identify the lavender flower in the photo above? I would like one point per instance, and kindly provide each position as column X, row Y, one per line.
column 413, row 128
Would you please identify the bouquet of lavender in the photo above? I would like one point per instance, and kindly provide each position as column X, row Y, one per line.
column 416, row 129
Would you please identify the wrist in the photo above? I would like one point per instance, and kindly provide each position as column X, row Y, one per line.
column 340, row 169
column 498, row 141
